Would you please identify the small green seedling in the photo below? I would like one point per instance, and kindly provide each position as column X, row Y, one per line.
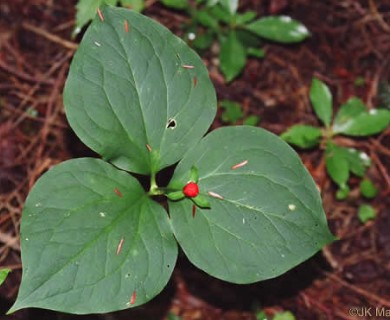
column 240, row 203
column 368, row 189
column 366, row 213
column 354, row 120
column 240, row 35
column 233, row 114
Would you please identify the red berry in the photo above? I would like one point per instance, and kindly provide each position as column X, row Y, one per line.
column 191, row 190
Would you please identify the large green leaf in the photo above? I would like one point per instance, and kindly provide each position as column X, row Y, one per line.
column 134, row 86
column 232, row 57
column 266, row 215
column 279, row 28
column 90, row 238
column 321, row 100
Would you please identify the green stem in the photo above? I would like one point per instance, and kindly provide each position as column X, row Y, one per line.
column 155, row 190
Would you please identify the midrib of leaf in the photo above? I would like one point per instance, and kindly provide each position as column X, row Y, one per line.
column 90, row 243
column 260, row 176
column 129, row 63
column 126, row 60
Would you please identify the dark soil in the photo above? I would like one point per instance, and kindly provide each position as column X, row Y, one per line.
column 350, row 39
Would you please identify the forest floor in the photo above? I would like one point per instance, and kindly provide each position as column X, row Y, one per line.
column 348, row 49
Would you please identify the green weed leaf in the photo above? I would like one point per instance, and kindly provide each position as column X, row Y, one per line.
column 348, row 110
column 207, row 20
column 257, row 53
column 340, row 161
column 366, row 213
column 303, row 136
column 358, row 161
column 279, row 28
column 245, row 17
column 264, row 206
column 232, row 111
column 368, row 189
column 232, row 57
column 251, row 120
column 343, row 192
column 3, row 275
column 138, row 89
column 86, row 10
column 337, row 164
column 176, row 4
column 136, row 5
column 203, row 41
column 321, row 100
column 230, row 5
column 220, row 13
column 354, row 120
column 90, row 238
column 248, row 39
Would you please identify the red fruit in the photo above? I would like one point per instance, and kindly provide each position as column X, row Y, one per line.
column 191, row 190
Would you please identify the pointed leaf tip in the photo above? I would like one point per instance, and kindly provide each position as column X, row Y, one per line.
column 321, row 100
column 117, row 237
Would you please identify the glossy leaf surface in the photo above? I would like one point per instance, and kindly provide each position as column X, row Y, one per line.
column 90, row 238
column 337, row 164
column 128, row 80
column 321, row 100
column 353, row 119
column 232, row 57
column 230, row 5
column 279, row 28
column 265, row 216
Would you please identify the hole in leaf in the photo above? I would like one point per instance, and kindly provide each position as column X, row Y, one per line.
column 171, row 124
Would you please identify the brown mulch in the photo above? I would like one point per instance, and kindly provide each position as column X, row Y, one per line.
column 350, row 39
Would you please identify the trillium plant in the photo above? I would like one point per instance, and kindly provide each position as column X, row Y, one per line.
column 240, row 203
